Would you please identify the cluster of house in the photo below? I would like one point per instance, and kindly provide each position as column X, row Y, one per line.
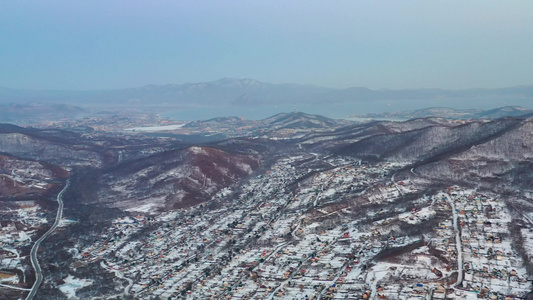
column 18, row 226
column 282, row 235
column 111, row 121
column 491, row 264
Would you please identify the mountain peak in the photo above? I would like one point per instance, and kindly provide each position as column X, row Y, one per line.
column 238, row 82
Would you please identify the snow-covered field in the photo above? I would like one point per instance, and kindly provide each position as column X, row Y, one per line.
column 155, row 128
column 73, row 284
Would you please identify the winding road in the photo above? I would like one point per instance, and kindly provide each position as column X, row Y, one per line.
column 35, row 248
column 120, row 275
column 457, row 232
column 457, row 240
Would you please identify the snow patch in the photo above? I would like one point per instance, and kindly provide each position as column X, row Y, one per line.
column 245, row 167
column 155, row 128
column 148, row 207
column 197, row 150
column 73, row 284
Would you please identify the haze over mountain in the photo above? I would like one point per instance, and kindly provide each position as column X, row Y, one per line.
column 371, row 44
column 249, row 92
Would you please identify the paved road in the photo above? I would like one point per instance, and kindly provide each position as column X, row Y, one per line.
column 396, row 184
column 35, row 248
column 457, row 240
column 14, row 287
column 120, row 275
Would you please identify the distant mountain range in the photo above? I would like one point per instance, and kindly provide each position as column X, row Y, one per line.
column 452, row 113
column 246, row 92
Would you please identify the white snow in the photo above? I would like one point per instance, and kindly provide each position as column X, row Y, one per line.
column 197, row 150
column 73, row 284
column 245, row 167
column 329, row 193
column 144, row 208
column 155, row 128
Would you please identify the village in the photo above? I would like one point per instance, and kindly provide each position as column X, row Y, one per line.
column 19, row 224
column 290, row 235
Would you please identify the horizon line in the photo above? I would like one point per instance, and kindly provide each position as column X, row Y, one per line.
column 262, row 82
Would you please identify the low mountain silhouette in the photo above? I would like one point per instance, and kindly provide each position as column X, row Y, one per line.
column 229, row 91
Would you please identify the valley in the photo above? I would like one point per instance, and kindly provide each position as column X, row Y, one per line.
column 294, row 206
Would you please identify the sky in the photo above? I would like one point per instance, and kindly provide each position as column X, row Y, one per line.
column 107, row 44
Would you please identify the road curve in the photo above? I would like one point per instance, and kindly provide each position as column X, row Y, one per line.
column 35, row 248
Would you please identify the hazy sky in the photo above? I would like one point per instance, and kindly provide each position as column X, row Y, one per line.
column 100, row 44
